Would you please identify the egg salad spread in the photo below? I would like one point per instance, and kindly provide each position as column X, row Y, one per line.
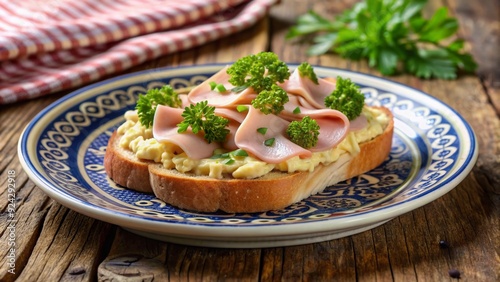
column 139, row 139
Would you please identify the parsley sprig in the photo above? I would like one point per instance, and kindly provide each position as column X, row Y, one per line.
column 271, row 101
column 346, row 98
column 304, row 132
column 306, row 70
column 201, row 118
column 260, row 71
column 392, row 35
column 147, row 103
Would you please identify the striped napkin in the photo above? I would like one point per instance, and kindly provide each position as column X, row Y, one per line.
column 52, row 45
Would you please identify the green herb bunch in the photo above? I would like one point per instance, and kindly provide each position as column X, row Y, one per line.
column 271, row 101
column 346, row 98
column 201, row 118
column 392, row 35
column 306, row 70
column 260, row 71
column 147, row 103
column 304, row 132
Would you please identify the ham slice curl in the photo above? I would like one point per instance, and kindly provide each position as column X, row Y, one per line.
column 165, row 130
column 333, row 125
column 203, row 92
column 313, row 94
column 249, row 139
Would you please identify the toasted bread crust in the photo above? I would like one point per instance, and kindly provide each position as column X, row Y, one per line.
column 274, row 191
column 125, row 168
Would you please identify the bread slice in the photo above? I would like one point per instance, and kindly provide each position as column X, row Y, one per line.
column 125, row 168
column 273, row 191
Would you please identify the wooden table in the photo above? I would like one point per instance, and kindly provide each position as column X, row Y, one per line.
column 55, row 243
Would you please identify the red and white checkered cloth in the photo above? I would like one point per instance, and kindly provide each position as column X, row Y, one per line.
column 47, row 46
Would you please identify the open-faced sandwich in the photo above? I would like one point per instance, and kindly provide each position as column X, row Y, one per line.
column 253, row 137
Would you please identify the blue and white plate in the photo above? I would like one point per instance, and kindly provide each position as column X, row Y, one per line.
column 62, row 151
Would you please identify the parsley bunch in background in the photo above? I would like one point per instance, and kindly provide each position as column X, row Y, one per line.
column 392, row 35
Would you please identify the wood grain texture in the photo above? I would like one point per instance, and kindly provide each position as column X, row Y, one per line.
column 54, row 243
column 142, row 259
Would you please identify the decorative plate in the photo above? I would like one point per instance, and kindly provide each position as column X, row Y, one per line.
column 62, row 151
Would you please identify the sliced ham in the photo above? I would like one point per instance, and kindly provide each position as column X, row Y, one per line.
column 184, row 100
column 165, row 130
column 248, row 138
column 304, row 103
column 203, row 92
column 359, row 123
column 314, row 94
column 230, row 143
column 303, row 93
column 232, row 113
column 235, row 119
column 333, row 124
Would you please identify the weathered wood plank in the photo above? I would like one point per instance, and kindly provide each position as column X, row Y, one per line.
column 272, row 264
column 134, row 258
column 69, row 244
column 153, row 260
column 23, row 228
column 209, row 264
